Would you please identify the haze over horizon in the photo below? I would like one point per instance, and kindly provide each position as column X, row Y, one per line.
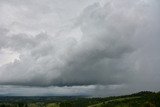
column 79, row 47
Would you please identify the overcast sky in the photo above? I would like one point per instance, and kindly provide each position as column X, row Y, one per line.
column 79, row 47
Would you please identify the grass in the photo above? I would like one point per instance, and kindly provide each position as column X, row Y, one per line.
column 52, row 105
column 115, row 100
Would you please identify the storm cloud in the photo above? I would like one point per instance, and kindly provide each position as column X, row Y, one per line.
column 107, row 45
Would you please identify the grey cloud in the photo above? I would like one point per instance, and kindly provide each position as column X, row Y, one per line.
column 110, row 46
column 22, row 41
column 100, row 57
column 3, row 39
column 32, row 17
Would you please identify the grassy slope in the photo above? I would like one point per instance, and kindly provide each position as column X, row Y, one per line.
column 142, row 99
column 115, row 100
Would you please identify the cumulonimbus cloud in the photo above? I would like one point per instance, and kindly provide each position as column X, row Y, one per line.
column 100, row 55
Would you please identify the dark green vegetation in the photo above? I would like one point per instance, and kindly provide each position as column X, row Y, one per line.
column 141, row 99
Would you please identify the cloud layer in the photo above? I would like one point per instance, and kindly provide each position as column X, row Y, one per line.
column 109, row 44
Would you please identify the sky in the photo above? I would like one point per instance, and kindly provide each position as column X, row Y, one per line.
column 79, row 47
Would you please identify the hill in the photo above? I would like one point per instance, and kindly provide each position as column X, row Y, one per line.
column 141, row 99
